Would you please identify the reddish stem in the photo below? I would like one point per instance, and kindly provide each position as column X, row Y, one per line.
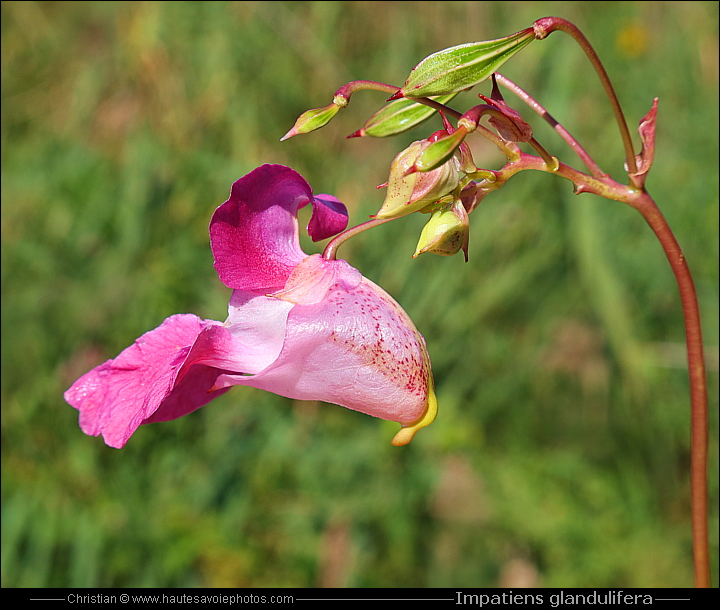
column 546, row 26
column 698, row 385
column 643, row 203
column 562, row 132
column 347, row 90
column 331, row 249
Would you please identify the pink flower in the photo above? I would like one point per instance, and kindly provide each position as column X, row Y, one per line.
column 300, row 326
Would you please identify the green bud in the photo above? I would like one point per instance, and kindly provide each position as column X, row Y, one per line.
column 460, row 67
column 398, row 116
column 408, row 193
column 446, row 233
column 313, row 119
column 439, row 151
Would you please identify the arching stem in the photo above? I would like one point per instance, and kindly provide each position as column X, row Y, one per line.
column 546, row 26
column 589, row 162
column 643, row 203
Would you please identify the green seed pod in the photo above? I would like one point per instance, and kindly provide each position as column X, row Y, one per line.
column 397, row 117
column 311, row 120
column 460, row 67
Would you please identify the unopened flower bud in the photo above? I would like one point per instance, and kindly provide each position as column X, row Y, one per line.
column 412, row 192
column 440, row 150
column 446, row 233
column 397, row 117
column 472, row 194
column 510, row 124
column 313, row 119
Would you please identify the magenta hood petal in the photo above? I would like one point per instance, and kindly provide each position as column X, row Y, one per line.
column 254, row 234
column 329, row 217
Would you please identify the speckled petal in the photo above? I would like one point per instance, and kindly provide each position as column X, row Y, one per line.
column 356, row 348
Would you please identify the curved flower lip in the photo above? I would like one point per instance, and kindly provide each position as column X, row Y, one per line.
column 299, row 326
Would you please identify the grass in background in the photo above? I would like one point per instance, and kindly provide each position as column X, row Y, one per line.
column 560, row 456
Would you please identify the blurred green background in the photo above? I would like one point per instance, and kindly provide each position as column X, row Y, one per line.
column 560, row 456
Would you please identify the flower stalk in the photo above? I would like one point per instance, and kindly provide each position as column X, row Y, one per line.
column 331, row 249
column 640, row 200
column 589, row 162
column 545, row 26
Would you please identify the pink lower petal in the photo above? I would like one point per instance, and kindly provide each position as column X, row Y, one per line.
column 121, row 394
column 191, row 393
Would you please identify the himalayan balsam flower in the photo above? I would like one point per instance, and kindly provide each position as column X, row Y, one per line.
column 300, row 326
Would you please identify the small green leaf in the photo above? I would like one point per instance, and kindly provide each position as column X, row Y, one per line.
column 399, row 116
column 460, row 67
